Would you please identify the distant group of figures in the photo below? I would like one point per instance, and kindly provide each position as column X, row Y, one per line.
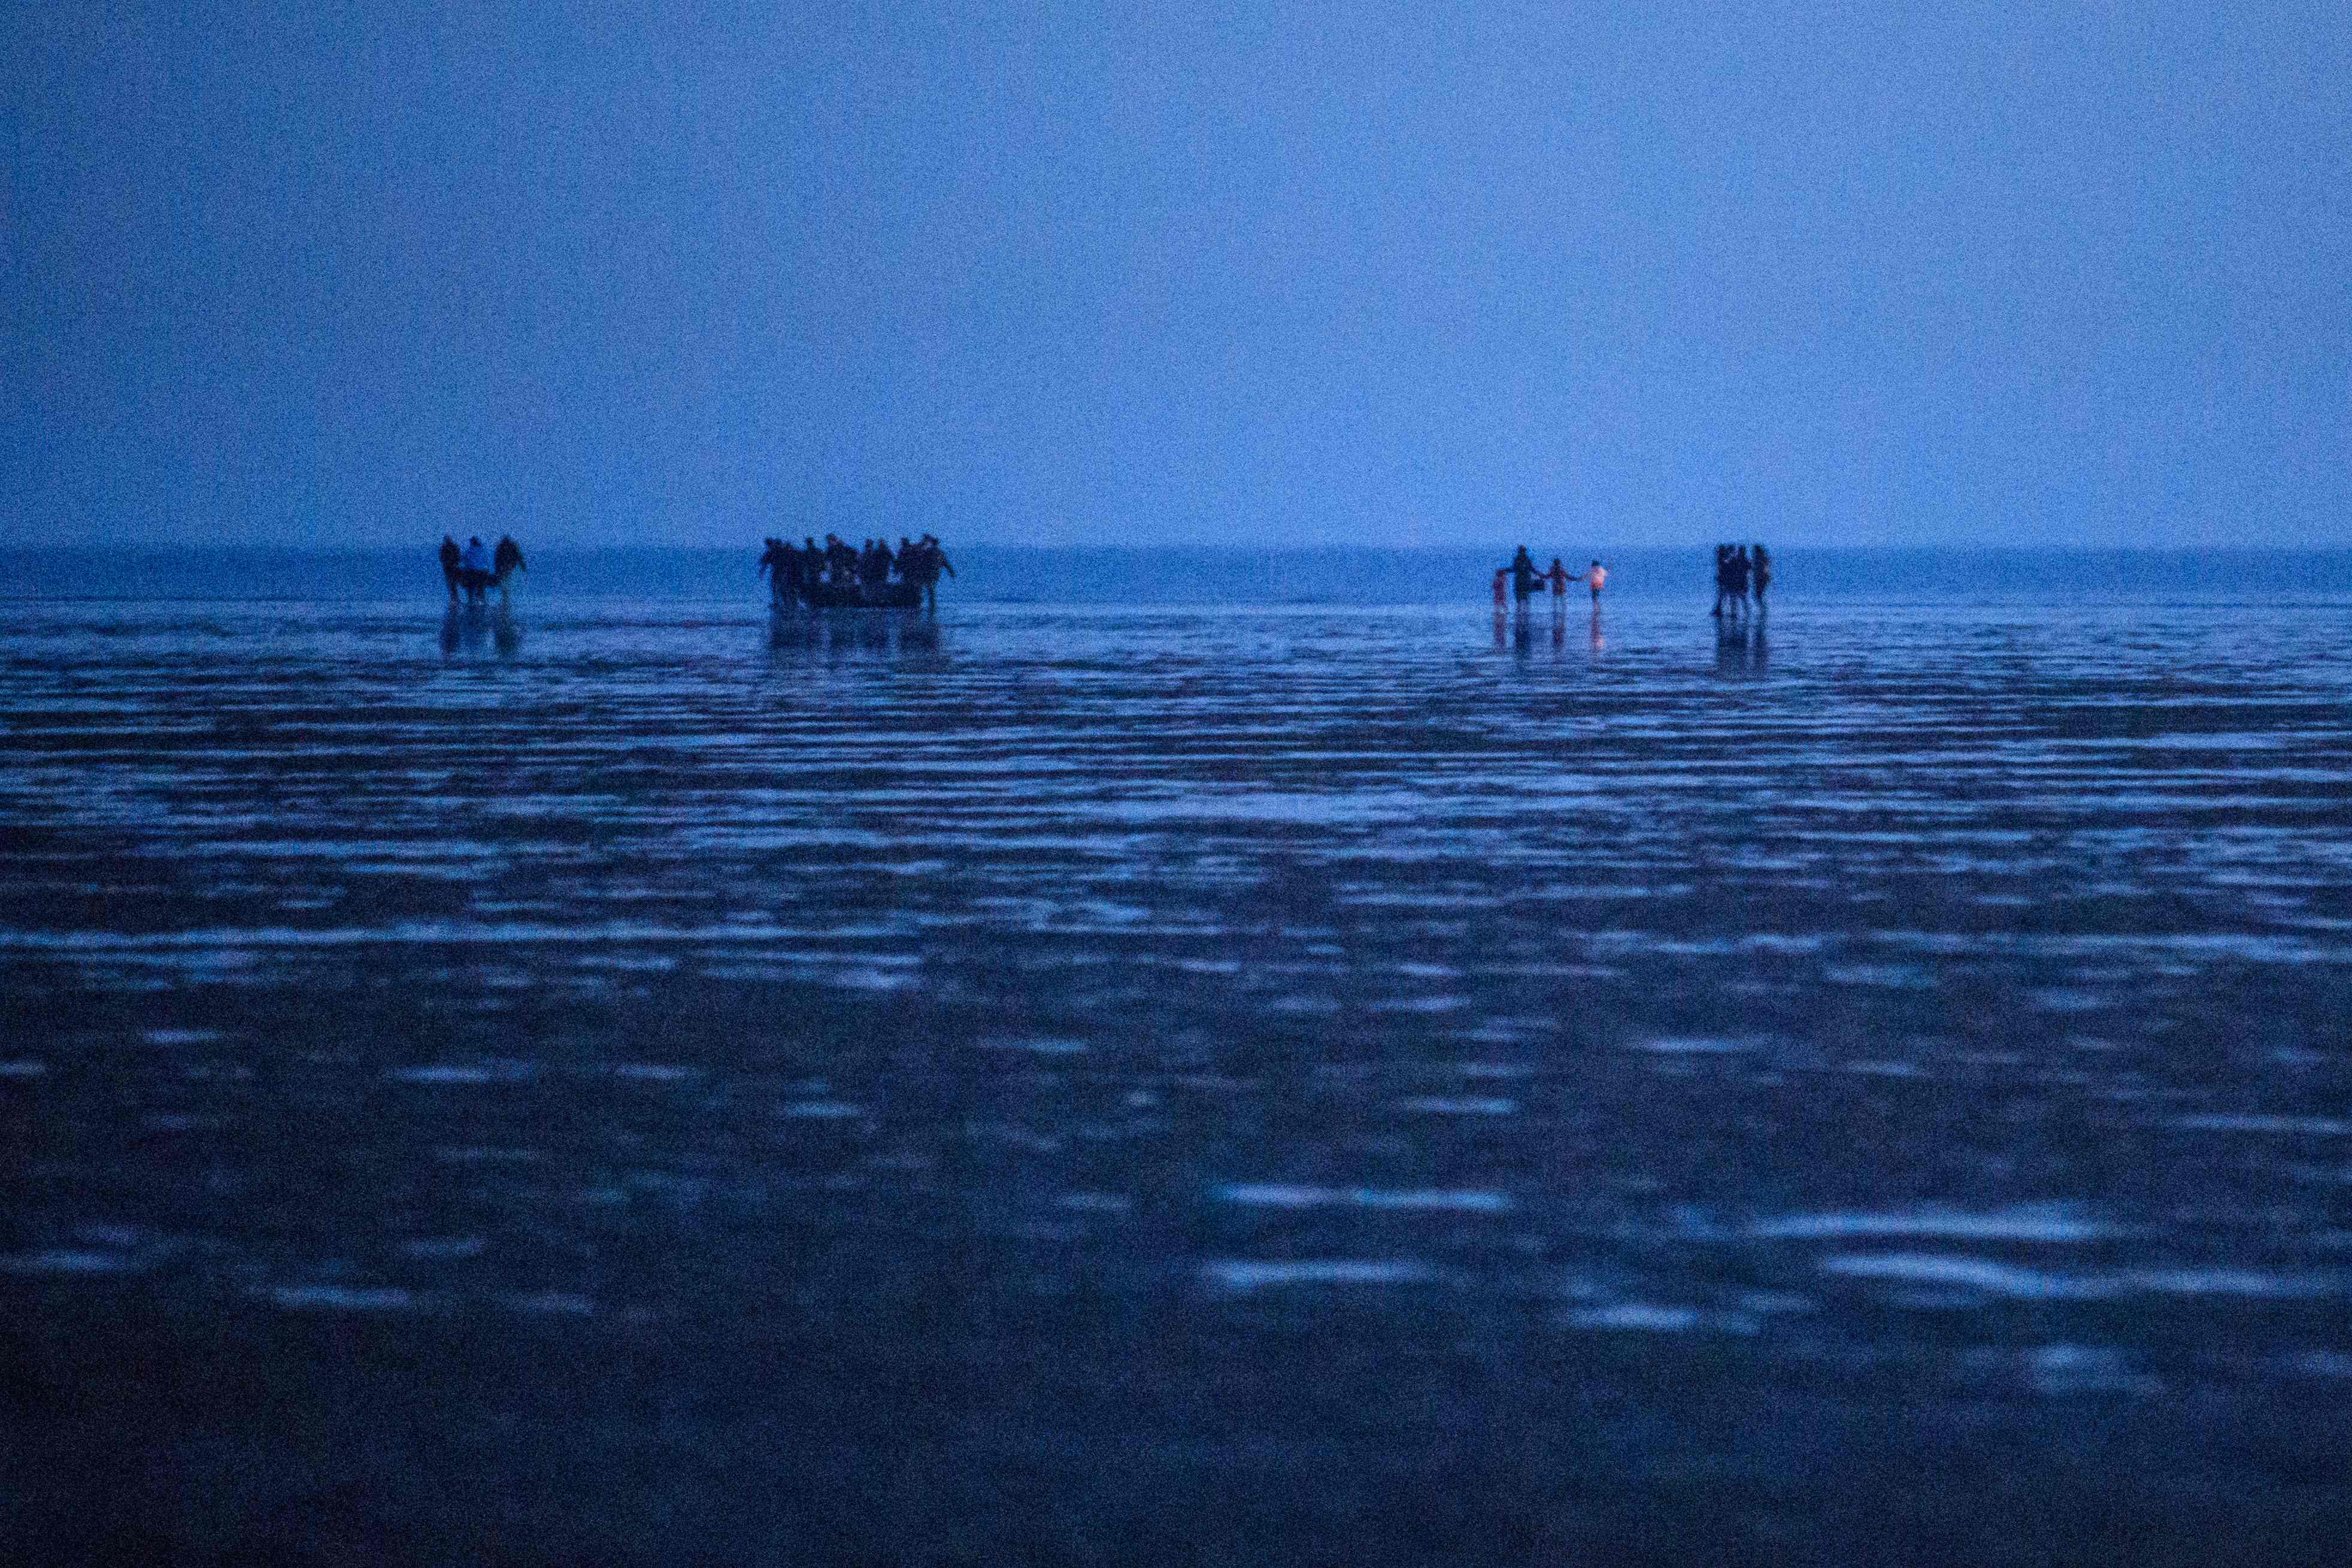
column 834, row 575
column 476, row 569
column 1740, row 571
column 1524, row 580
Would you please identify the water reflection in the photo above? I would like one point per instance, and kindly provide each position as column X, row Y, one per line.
column 470, row 629
column 1740, row 648
column 905, row 634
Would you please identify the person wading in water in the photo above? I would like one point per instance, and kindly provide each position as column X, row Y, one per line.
column 507, row 559
column 1524, row 575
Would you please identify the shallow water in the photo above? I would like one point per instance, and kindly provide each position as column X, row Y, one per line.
column 1953, row 989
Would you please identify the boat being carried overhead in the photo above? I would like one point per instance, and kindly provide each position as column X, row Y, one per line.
column 837, row 577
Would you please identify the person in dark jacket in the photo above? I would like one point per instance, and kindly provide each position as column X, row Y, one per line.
column 1762, row 567
column 930, row 561
column 450, row 556
column 1558, row 577
column 780, row 563
column 506, row 558
column 1524, row 575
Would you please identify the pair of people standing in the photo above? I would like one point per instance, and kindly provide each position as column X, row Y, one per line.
column 1526, row 578
column 476, row 568
column 1738, row 573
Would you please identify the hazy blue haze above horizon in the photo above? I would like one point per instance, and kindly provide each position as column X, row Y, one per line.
column 1061, row 275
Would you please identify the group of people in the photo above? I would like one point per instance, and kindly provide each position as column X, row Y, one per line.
column 1524, row 578
column 1740, row 571
column 836, row 573
column 476, row 569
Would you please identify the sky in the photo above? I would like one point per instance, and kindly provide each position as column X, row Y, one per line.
column 1314, row 274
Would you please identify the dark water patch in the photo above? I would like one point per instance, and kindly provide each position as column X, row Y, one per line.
column 1241, row 1056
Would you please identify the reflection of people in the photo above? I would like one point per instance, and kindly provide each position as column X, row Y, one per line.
column 449, row 565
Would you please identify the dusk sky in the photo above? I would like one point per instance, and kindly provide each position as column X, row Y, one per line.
column 1371, row 272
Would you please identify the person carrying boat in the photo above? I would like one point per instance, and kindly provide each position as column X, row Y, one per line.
column 780, row 563
column 930, row 561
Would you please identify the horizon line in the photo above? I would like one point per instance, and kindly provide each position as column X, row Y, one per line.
column 573, row 547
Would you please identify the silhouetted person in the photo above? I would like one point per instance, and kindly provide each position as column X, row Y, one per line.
column 509, row 558
column 1740, row 569
column 450, row 555
column 1722, row 579
column 1762, row 566
column 1560, row 580
column 1524, row 575
column 839, row 559
column 781, row 565
column 907, row 560
column 1502, row 586
column 474, row 568
column 1593, row 575
column 930, row 561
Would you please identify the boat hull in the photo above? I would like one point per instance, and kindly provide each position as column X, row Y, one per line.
column 862, row 596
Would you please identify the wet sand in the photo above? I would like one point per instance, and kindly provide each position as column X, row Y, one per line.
column 1097, row 1086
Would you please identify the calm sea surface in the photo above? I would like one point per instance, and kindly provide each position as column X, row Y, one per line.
column 1950, row 992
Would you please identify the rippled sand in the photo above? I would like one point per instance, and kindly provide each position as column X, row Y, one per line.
column 1106, row 1085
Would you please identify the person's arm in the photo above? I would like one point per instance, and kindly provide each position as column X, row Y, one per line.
column 943, row 564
